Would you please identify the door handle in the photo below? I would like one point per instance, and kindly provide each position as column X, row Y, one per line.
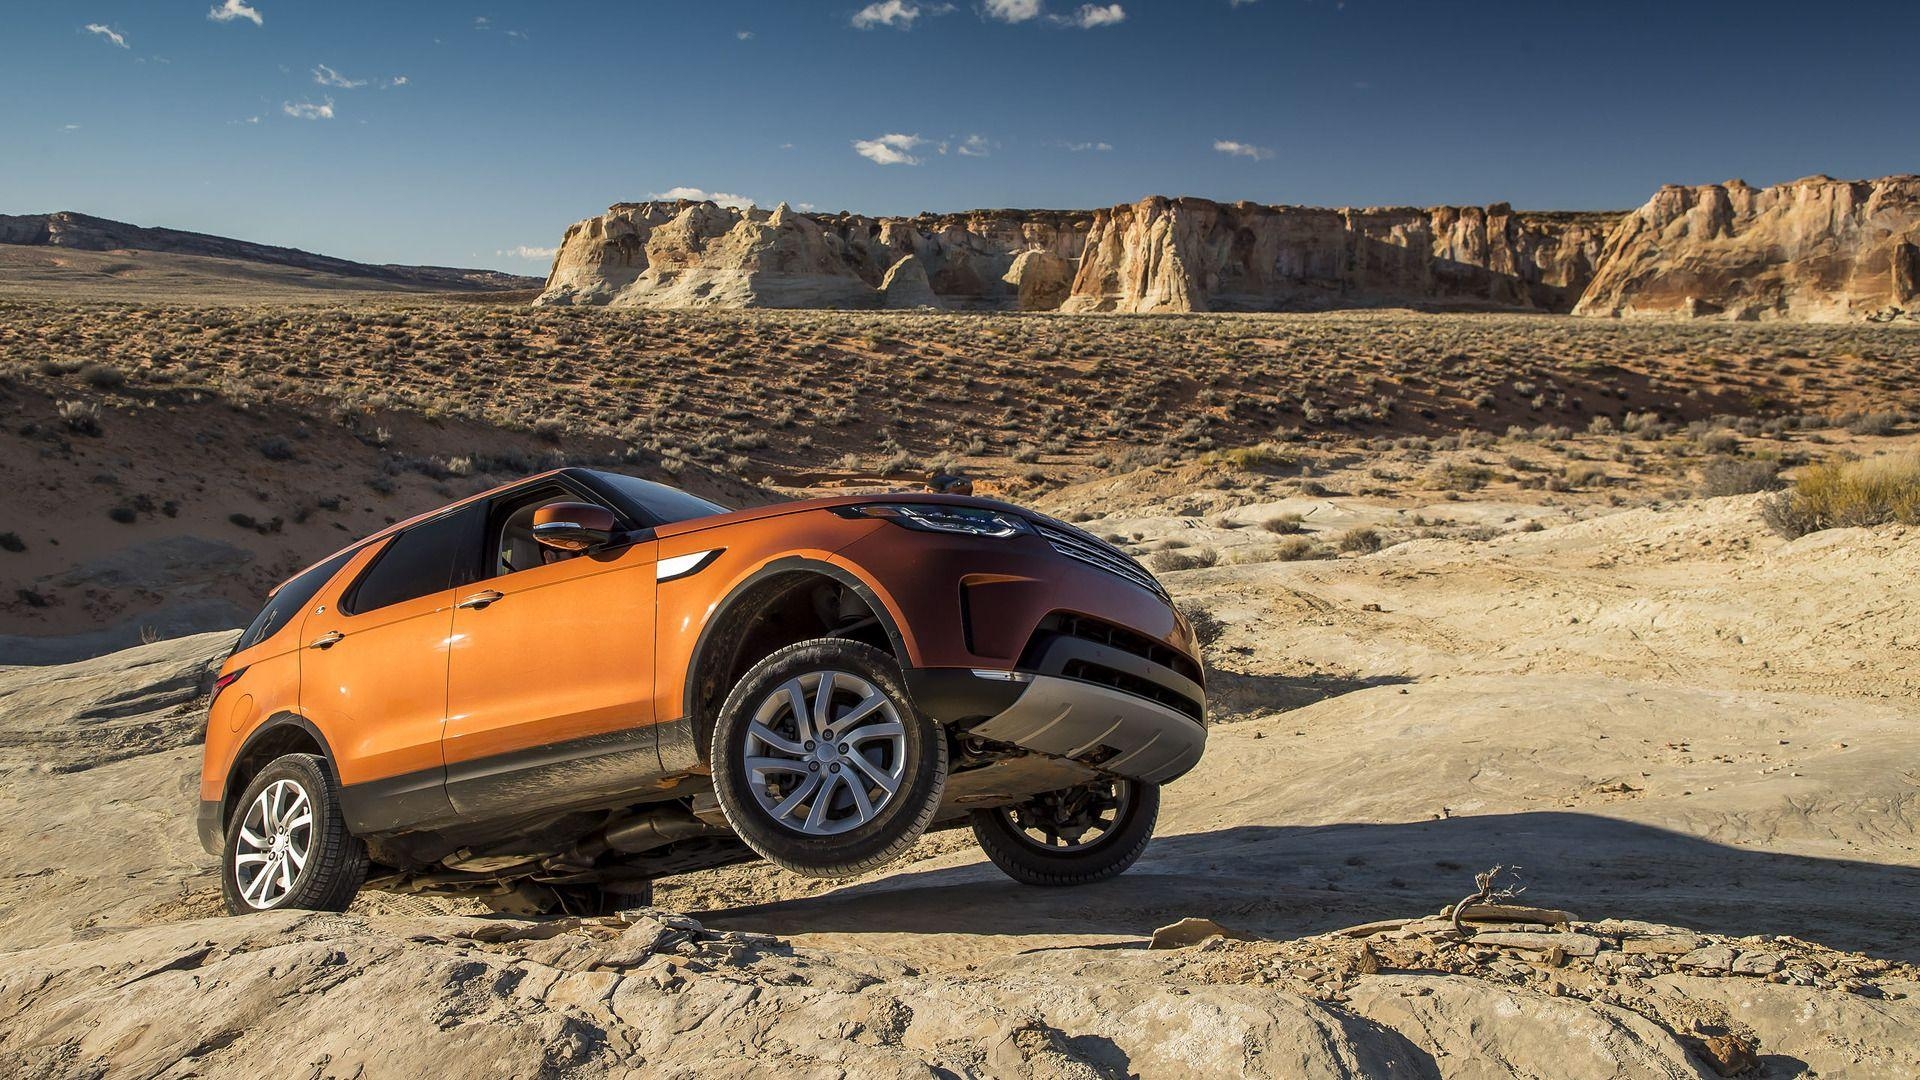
column 327, row 640
column 480, row 599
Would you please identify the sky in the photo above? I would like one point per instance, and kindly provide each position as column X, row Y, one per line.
column 472, row 134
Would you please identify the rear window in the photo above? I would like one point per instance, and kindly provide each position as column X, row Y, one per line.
column 430, row 557
column 292, row 598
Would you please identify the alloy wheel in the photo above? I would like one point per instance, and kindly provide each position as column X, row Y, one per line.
column 1071, row 820
column 276, row 837
column 825, row 753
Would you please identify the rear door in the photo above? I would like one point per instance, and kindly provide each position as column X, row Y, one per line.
column 373, row 675
column 550, row 686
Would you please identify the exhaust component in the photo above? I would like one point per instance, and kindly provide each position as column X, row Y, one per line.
column 656, row 829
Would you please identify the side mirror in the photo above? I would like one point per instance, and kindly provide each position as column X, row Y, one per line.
column 573, row 526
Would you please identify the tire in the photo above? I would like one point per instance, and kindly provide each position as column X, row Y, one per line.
column 1031, row 861
column 324, row 864
column 774, row 809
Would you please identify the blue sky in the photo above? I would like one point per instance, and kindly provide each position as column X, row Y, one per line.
column 472, row 134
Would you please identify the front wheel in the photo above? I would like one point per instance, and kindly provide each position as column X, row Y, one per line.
column 288, row 846
column 1072, row 837
column 822, row 764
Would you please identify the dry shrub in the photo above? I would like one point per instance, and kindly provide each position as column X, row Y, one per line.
column 1167, row 562
column 1365, row 540
column 1297, row 549
column 1843, row 494
column 1737, row 476
column 1206, row 627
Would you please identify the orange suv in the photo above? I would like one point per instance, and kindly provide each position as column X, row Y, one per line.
column 550, row 694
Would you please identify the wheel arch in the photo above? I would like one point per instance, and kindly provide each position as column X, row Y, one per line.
column 282, row 733
column 758, row 590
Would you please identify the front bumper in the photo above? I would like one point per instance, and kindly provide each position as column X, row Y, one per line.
column 1096, row 725
column 1103, row 728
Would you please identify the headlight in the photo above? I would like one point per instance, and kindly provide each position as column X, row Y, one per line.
column 933, row 517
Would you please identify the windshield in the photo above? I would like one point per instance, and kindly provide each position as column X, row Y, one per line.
column 655, row 504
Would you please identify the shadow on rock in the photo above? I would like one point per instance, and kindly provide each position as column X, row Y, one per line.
column 1284, row 882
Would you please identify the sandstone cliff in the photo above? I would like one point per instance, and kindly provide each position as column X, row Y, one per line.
column 1156, row 255
column 1814, row 249
column 697, row 254
column 1197, row 255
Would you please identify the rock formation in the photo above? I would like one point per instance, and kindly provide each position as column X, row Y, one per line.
column 906, row 286
column 81, row 232
column 1197, row 255
column 1814, row 249
column 1157, row 255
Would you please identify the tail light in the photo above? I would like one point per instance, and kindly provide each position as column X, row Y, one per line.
column 225, row 681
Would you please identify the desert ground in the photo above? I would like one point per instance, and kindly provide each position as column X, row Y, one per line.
column 1479, row 591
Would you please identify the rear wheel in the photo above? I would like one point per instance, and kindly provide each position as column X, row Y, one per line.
column 1072, row 837
column 288, row 846
column 822, row 764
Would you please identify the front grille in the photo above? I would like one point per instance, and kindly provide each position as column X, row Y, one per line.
column 1117, row 637
column 1133, row 684
column 1093, row 551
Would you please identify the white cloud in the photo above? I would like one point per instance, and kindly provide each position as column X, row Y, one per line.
column 326, row 76
column 308, row 110
column 743, row 35
column 1238, row 3
column 397, row 80
column 107, row 32
column 898, row 14
column 1012, row 11
column 1083, row 147
column 1089, row 16
column 974, row 146
column 481, row 22
column 694, row 194
column 526, row 251
column 70, row 127
column 229, row 10
column 889, row 149
column 1240, row 149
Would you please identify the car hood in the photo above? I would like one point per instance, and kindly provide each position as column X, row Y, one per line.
column 801, row 506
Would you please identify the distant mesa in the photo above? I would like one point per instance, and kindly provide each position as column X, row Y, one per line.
column 83, row 232
column 1816, row 249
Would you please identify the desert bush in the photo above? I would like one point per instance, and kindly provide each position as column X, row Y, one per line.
column 1256, row 458
column 103, row 376
column 10, row 541
column 1297, row 549
column 1584, row 474
column 81, row 417
column 1364, row 540
column 1285, row 524
column 1848, row 493
column 1738, row 476
column 276, row 448
column 1873, row 423
column 1166, row 562
column 1207, row 628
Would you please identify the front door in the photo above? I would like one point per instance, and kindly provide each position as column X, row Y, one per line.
column 373, row 669
column 550, row 682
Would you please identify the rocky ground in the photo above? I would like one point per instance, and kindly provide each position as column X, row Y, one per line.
column 1695, row 740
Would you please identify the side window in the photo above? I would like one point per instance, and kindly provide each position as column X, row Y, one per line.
column 428, row 558
column 511, row 547
column 292, row 598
